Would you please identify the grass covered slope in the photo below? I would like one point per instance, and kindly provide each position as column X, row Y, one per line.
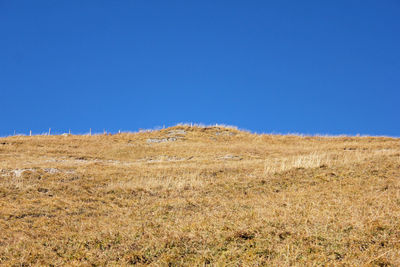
column 197, row 196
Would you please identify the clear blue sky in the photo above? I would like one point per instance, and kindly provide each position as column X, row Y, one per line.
column 327, row 67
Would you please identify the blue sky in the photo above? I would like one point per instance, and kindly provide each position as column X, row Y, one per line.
column 313, row 67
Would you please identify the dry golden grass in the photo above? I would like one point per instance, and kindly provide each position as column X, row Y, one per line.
column 195, row 196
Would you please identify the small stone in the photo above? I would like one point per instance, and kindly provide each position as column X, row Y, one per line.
column 51, row 170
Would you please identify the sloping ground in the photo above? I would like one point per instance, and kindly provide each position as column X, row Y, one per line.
column 198, row 196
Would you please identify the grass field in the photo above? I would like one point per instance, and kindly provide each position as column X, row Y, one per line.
column 197, row 196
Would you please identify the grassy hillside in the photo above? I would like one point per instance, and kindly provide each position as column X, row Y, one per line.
column 199, row 196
